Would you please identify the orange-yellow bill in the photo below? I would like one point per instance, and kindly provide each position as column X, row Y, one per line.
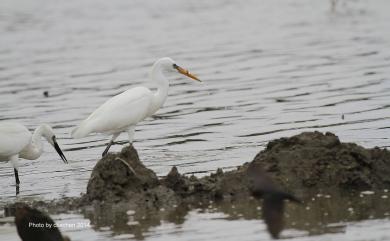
column 187, row 73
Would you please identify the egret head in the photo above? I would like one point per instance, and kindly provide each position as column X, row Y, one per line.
column 168, row 65
column 48, row 134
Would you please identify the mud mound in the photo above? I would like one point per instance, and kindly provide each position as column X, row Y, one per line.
column 123, row 178
column 216, row 186
column 302, row 164
column 310, row 160
column 316, row 160
column 118, row 176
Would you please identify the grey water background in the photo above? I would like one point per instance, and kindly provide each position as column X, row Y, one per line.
column 270, row 68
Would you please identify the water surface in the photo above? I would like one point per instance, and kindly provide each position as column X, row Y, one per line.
column 270, row 69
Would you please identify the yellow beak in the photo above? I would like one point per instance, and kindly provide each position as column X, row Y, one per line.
column 187, row 73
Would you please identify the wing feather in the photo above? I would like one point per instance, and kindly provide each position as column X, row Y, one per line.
column 13, row 138
column 117, row 113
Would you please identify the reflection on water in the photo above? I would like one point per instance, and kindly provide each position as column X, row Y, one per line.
column 323, row 216
column 270, row 69
column 320, row 213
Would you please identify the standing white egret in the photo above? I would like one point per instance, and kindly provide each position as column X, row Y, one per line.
column 17, row 141
column 122, row 112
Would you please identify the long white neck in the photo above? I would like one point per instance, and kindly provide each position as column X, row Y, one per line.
column 162, row 87
column 35, row 149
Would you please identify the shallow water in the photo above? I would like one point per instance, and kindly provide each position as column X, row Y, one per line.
column 270, row 69
column 323, row 216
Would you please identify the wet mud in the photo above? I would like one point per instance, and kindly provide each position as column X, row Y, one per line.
column 311, row 160
column 305, row 165
column 122, row 178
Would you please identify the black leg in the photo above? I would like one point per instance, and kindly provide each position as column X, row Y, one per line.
column 17, row 180
column 16, row 176
column 107, row 148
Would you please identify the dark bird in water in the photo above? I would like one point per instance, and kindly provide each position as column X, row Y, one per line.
column 263, row 187
column 33, row 225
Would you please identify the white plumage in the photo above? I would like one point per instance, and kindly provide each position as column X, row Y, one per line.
column 122, row 112
column 17, row 141
column 124, row 109
column 14, row 137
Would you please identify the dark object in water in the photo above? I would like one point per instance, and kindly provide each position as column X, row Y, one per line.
column 46, row 93
column 262, row 186
column 33, row 225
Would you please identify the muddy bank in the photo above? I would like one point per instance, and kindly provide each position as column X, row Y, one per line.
column 122, row 178
column 122, row 190
column 305, row 163
column 308, row 161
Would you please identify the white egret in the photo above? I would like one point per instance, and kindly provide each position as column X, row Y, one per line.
column 17, row 141
column 123, row 111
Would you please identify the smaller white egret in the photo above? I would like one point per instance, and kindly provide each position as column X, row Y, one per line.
column 123, row 111
column 17, row 141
